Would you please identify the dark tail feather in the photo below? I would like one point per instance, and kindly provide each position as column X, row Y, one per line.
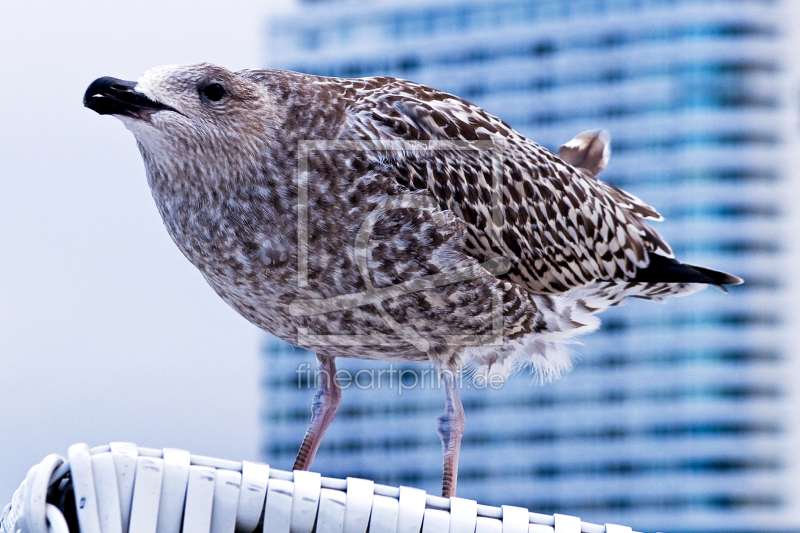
column 666, row 270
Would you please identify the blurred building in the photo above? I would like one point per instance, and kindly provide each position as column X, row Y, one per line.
column 681, row 417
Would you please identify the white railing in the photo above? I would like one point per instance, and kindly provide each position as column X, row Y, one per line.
column 121, row 488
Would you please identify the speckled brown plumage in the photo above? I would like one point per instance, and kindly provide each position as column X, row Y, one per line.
column 224, row 176
column 561, row 227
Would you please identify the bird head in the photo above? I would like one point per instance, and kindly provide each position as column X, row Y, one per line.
column 200, row 118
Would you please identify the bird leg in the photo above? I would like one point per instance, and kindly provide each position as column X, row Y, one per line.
column 323, row 409
column 450, row 426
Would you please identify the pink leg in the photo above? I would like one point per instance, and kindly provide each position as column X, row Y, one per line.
column 450, row 426
column 326, row 402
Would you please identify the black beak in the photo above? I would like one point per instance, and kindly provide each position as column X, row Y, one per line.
column 110, row 96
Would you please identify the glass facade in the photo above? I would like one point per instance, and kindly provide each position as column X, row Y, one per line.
column 679, row 417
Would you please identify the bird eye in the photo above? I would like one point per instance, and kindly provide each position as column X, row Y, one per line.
column 214, row 92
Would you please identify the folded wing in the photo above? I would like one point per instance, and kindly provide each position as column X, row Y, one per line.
column 558, row 225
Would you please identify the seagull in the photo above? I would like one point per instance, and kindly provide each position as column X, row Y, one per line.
column 376, row 218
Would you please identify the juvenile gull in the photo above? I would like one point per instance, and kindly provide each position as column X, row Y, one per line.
column 421, row 229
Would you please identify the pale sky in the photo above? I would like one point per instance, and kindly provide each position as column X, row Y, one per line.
column 107, row 333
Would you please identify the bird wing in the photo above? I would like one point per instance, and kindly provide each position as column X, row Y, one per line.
column 559, row 226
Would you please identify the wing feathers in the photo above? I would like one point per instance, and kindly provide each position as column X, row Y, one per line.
column 663, row 269
column 589, row 150
column 561, row 227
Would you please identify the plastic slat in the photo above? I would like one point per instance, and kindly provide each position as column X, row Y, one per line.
column 199, row 499
column 146, row 494
column 306, row 500
column 226, row 500
column 83, row 484
column 386, row 490
column 125, row 455
column 35, row 494
column 463, row 515
column 331, row 511
column 435, row 521
column 411, row 510
column 490, row 512
column 359, row 504
column 216, row 464
column 488, row 525
column 567, row 524
column 614, row 528
column 25, row 510
column 437, row 502
column 515, row 519
column 55, row 520
column 173, row 490
column 107, row 491
column 252, row 495
column 383, row 518
column 278, row 508
column 335, row 484
column 540, row 528
column 543, row 519
column 22, row 512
